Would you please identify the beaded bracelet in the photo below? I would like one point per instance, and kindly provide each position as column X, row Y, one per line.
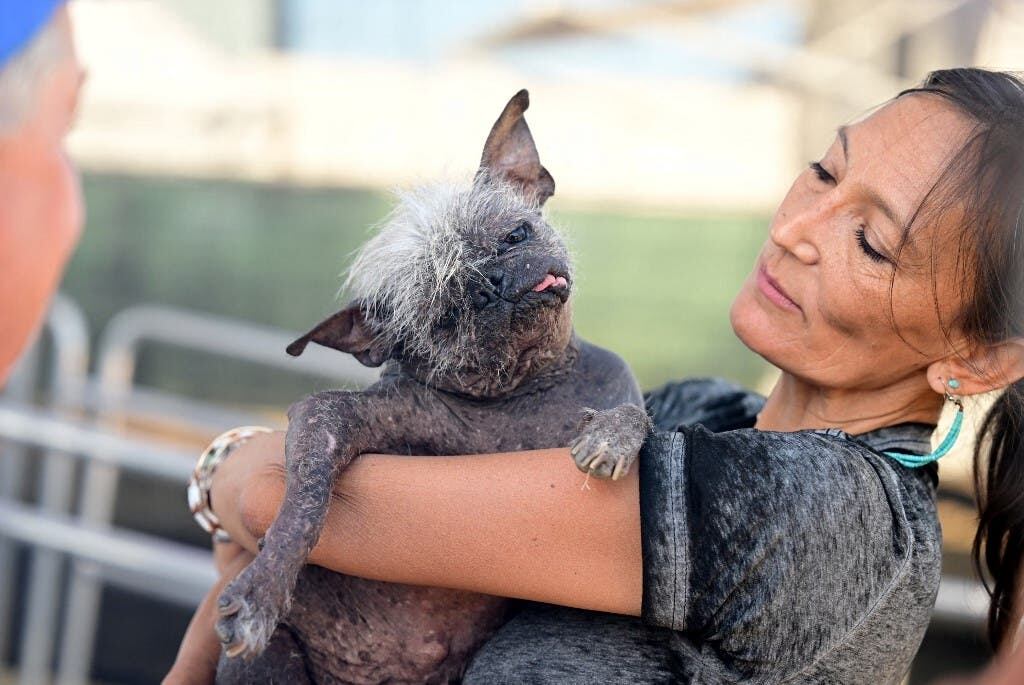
column 202, row 477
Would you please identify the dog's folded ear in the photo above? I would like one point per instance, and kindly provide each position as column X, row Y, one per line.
column 511, row 155
column 348, row 331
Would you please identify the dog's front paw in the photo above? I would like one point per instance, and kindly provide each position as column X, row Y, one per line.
column 250, row 608
column 610, row 440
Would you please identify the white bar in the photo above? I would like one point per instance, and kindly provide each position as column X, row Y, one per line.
column 961, row 600
column 36, row 427
column 170, row 570
column 13, row 462
column 69, row 333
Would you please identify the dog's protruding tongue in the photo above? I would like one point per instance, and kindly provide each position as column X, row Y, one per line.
column 549, row 281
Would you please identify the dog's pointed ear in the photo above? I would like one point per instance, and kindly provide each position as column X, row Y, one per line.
column 348, row 331
column 511, row 155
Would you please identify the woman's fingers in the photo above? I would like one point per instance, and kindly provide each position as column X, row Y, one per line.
column 225, row 553
column 196, row 663
column 244, row 477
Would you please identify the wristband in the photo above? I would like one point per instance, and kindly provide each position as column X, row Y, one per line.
column 202, row 477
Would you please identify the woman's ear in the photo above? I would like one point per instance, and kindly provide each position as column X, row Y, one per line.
column 987, row 368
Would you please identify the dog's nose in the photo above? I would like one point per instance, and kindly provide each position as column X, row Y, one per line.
column 499, row 280
column 490, row 292
column 484, row 297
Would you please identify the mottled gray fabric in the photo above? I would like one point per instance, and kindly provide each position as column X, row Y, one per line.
column 769, row 557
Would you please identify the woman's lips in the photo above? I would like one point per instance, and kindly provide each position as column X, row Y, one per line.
column 773, row 291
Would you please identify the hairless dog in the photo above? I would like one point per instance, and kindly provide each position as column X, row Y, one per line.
column 464, row 296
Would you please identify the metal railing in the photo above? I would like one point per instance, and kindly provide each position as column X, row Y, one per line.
column 81, row 423
column 117, row 355
column 170, row 571
column 184, row 573
column 69, row 334
column 13, row 462
column 68, row 367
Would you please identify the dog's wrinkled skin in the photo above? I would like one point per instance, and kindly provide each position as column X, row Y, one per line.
column 464, row 294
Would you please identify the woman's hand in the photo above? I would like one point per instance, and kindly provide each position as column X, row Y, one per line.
column 196, row 662
column 197, row 658
column 253, row 473
column 525, row 524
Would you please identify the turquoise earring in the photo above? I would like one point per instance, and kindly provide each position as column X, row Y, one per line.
column 916, row 460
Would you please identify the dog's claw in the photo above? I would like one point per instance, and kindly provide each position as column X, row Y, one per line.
column 578, row 449
column 250, row 608
column 585, row 453
column 609, row 441
column 224, row 632
column 227, row 606
column 601, row 465
column 231, row 651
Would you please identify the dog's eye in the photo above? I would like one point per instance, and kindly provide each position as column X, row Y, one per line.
column 521, row 233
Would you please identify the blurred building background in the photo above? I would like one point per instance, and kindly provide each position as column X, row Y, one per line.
column 235, row 153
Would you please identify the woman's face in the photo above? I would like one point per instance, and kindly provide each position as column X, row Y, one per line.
column 818, row 302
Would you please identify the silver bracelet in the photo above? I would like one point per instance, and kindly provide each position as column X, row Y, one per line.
column 202, row 477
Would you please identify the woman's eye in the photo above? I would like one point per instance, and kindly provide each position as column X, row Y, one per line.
column 521, row 233
column 865, row 246
column 821, row 173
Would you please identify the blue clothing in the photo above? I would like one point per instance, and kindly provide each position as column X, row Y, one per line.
column 20, row 21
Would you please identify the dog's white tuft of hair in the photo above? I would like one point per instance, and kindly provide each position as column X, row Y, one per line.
column 413, row 273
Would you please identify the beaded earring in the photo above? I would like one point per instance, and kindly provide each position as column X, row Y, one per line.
column 916, row 460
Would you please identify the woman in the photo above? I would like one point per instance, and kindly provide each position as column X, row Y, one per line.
column 791, row 538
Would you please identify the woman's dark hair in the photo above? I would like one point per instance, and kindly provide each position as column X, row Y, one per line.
column 984, row 185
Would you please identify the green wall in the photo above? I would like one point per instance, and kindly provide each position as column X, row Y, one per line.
column 654, row 289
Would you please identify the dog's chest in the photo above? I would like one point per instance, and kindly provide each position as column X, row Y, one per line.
column 436, row 422
column 522, row 423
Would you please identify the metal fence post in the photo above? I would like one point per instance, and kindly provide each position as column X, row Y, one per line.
column 12, row 475
column 70, row 335
column 115, row 369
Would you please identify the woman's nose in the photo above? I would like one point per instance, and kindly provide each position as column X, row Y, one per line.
column 799, row 232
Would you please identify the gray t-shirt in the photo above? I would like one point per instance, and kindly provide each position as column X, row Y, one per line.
column 804, row 557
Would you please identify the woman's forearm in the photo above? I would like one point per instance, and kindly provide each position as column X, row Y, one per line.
column 524, row 524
